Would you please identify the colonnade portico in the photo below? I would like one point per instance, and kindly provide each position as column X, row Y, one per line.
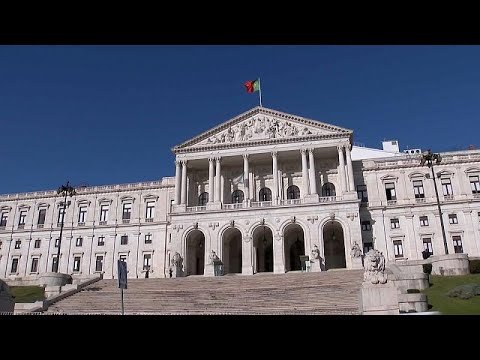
column 214, row 182
column 250, row 246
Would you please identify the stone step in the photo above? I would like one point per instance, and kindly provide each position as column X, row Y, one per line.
column 291, row 293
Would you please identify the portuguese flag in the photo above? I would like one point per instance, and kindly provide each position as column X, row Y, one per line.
column 252, row 85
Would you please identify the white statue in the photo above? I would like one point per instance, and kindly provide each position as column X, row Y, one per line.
column 355, row 252
column 177, row 260
column 213, row 257
column 374, row 264
column 315, row 253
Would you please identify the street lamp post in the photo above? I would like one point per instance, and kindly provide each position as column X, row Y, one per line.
column 428, row 158
column 64, row 190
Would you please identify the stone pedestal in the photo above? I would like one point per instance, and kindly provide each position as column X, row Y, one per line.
column 209, row 270
column 315, row 265
column 379, row 299
column 52, row 290
column 357, row 263
column 55, row 279
column 177, row 272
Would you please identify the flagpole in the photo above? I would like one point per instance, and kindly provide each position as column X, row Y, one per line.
column 260, row 91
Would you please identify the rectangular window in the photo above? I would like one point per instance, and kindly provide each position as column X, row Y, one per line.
column 76, row 263
column 127, row 211
column 457, row 244
column 452, row 219
column 99, row 263
column 23, row 217
column 366, row 225
column 57, row 243
column 54, row 264
column 34, row 267
column 79, row 241
column 123, row 258
column 3, row 219
column 14, row 268
column 362, row 193
column 394, row 223
column 390, row 191
column 148, row 238
column 82, row 214
column 398, row 248
column 18, row 243
column 418, row 189
column 41, row 216
column 104, row 213
column 61, row 215
column 101, row 241
column 427, row 245
column 150, row 210
column 367, row 247
column 475, row 184
column 124, row 240
column 423, row 220
column 147, row 261
column 447, row 186
column 37, row 244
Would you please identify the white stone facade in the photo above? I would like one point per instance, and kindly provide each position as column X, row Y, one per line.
column 260, row 190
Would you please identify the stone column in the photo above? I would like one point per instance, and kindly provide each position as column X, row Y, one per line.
column 275, row 177
column 351, row 184
column 183, row 198
column 246, row 182
column 469, row 244
column 247, row 258
column 251, row 182
column 341, row 170
column 178, row 179
column 278, row 254
column 412, row 243
column 306, row 189
column 210, row 180
column 313, row 182
column 217, row 179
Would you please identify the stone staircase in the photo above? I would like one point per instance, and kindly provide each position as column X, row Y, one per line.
column 330, row 292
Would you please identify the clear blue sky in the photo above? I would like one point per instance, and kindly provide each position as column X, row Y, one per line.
column 111, row 114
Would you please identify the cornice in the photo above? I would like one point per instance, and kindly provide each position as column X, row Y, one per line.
column 260, row 142
column 104, row 189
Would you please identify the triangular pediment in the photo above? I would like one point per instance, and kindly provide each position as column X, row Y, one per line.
column 262, row 125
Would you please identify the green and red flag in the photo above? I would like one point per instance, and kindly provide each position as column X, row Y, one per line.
column 252, row 85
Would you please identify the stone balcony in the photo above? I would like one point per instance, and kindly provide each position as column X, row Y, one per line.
column 178, row 209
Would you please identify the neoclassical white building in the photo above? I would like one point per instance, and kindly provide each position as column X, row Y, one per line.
column 259, row 190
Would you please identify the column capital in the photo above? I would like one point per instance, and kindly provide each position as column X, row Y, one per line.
column 340, row 147
column 303, row 151
column 211, row 159
column 184, row 162
column 177, row 162
column 310, row 150
column 274, row 153
column 245, row 156
column 218, row 159
column 348, row 147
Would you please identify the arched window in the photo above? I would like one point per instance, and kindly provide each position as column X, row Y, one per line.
column 293, row 192
column 237, row 196
column 328, row 189
column 265, row 194
column 203, row 199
